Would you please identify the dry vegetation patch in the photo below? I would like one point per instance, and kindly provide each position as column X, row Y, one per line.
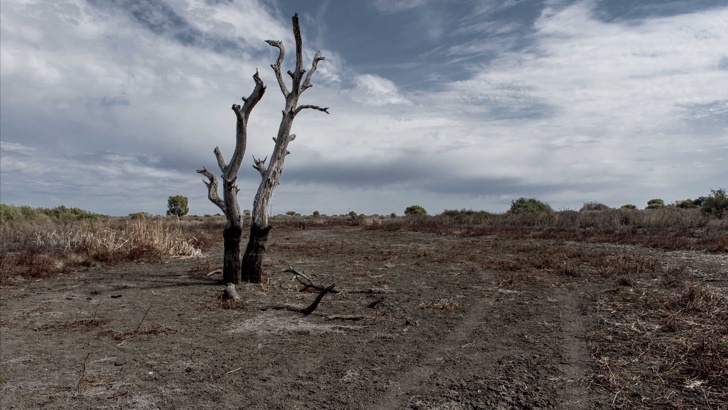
column 564, row 307
column 37, row 250
column 662, row 345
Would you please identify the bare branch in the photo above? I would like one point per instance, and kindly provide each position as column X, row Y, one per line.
column 298, row 75
column 254, row 96
column 241, row 136
column 312, row 107
column 220, row 159
column 314, row 65
column 277, row 66
column 260, row 165
column 212, row 189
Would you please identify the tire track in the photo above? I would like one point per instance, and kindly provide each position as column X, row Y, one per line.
column 404, row 388
column 574, row 355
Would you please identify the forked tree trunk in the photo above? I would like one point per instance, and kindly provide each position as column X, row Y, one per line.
column 271, row 175
column 232, row 233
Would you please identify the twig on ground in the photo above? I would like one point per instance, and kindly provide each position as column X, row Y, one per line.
column 83, row 372
column 144, row 317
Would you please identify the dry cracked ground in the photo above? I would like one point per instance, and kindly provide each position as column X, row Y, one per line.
column 420, row 321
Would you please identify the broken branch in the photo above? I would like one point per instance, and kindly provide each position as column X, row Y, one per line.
column 260, row 165
column 313, row 107
column 314, row 65
column 277, row 66
column 308, row 310
column 212, row 189
column 218, row 153
column 306, row 281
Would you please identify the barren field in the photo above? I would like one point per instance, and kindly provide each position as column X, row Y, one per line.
column 421, row 320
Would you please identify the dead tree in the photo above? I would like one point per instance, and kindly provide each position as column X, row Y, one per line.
column 271, row 175
column 229, row 203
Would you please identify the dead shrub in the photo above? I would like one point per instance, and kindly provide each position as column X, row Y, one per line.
column 697, row 362
column 697, row 298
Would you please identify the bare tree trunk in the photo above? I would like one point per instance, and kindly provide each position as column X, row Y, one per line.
column 252, row 267
column 253, row 260
column 231, row 258
column 233, row 231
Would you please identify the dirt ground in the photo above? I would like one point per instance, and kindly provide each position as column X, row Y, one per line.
column 420, row 320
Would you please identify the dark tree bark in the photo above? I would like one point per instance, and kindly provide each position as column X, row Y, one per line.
column 232, row 233
column 254, row 253
column 259, row 228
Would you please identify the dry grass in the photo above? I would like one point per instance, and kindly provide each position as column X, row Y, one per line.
column 37, row 250
column 142, row 332
column 670, row 228
column 442, row 304
column 655, row 341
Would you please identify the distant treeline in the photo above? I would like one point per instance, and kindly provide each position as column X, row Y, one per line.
column 13, row 213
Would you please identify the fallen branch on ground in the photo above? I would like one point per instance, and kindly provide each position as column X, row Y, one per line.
column 305, row 311
column 305, row 280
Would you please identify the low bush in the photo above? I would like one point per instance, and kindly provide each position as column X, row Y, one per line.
column 415, row 210
column 686, row 204
column 12, row 213
column 594, row 206
column 655, row 203
column 530, row 205
column 716, row 204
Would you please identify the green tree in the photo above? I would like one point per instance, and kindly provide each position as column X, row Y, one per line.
column 655, row 203
column 628, row 206
column 522, row 205
column 415, row 210
column 716, row 204
column 594, row 206
column 177, row 205
column 686, row 204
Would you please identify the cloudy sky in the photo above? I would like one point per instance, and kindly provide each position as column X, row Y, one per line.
column 111, row 105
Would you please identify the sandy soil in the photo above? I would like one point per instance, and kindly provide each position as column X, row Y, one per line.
column 421, row 321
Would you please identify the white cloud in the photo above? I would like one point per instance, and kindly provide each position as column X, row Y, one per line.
column 97, row 104
column 373, row 90
column 392, row 6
